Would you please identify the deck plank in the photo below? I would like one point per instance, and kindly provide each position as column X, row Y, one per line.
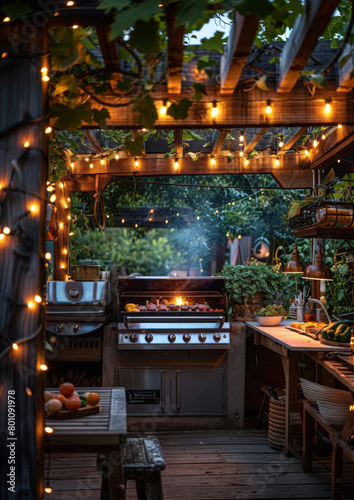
column 223, row 464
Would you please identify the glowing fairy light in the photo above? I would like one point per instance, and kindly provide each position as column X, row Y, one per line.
column 214, row 110
column 268, row 108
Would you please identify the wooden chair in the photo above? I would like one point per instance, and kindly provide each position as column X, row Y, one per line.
column 142, row 462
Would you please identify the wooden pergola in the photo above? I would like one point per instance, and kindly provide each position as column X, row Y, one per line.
column 25, row 114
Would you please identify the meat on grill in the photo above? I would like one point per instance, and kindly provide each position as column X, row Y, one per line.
column 142, row 308
column 151, row 307
column 163, row 307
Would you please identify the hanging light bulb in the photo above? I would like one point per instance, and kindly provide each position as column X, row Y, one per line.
column 327, row 107
column 242, row 136
column 117, row 156
column 38, row 299
column 48, row 256
column 323, row 137
column 176, row 164
column 136, row 163
column 43, row 367
column 15, row 346
column 52, row 198
column 315, row 143
column 102, row 161
column 246, row 162
column 212, row 161
column 6, row 230
column 268, row 109
column 214, row 110
column 48, row 130
column 26, row 144
column 307, row 152
column 281, row 142
column 91, row 165
column 241, row 154
column 48, row 489
column 277, row 162
column 163, row 109
column 340, row 125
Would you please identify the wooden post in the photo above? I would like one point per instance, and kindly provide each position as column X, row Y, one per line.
column 23, row 173
column 61, row 244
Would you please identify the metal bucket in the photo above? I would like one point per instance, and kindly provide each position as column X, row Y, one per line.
column 86, row 273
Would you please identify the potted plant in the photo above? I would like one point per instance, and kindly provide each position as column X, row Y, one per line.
column 270, row 315
column 248, row 285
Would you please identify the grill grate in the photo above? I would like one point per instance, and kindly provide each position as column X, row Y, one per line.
column 169, row 293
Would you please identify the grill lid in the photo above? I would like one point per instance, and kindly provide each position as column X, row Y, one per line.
column 78, row 292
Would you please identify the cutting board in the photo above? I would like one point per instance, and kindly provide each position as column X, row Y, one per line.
column 81, row 412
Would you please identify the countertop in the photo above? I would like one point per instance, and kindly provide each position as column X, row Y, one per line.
column 292, row 340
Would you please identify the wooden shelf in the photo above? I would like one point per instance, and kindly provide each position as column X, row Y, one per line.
column 337, row 233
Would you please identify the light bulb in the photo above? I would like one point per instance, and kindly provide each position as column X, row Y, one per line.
column 166, row 221
column 163, row 109
column 45, row 78
column 61, row 185
column 323, row 137
column 43, row 367
column 70, row 3
column 91, row 165
column 136, row 225
column 307, row 152
column 241, row 154
column 102, row 161
column 227, row 235
column 26, row 144
column 15, row 346
column 30, row 304
column 277, row 162
column 239, row 236
column 315, row 143
column 48, row 430
column 176, row 164
column 52, row 198
column 74, row 26
column 2, row 236
column 62, row 266
column 65, row 251
column 48, row 489
column 136, row 163
column 6, row 230
column 327, row 107
column 33, row 208
column 246, row 162
column 61, row 224
column 48, row 256
column 117, row 156
column 338, row 161
column 212, row 161
column 6, row 19
column 48, row 130
column 38, row 299
column 242, row 137
column 216, row 211
column 281, row 142
column 198, row 217
column 123, row 220
column 340, row 125
column 268, row 109
column 71, row 233
column 214, row 110
column 50, row 189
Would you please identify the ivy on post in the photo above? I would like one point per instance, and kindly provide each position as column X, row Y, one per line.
column 23, row 170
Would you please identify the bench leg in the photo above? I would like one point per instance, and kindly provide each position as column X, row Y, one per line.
column 308, row 438
column 149, row 486
column 337, row 472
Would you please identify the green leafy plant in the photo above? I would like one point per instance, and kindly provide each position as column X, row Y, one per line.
column 244, row 281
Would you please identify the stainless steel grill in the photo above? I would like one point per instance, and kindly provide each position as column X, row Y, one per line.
column 193, row 316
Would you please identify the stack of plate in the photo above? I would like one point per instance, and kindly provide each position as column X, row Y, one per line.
column 336, row 415
column 314, row 392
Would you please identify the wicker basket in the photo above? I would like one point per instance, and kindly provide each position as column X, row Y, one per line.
column 276, row 424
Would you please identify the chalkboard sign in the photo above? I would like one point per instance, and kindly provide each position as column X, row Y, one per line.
column 143, row 397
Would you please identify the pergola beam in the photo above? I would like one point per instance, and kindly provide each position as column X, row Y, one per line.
column 240, row 111
column 253, row 143
column 237, row 50
column 217, row 140
column 345, row 81
column 340, row 143
column 292, row 139
column 175, row 47
column 303, row 40
column 177, row 138
column 93, row 140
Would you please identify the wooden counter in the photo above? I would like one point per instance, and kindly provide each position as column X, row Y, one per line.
column 289, row 345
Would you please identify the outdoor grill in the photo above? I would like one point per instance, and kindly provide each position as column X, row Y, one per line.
column 173, row 313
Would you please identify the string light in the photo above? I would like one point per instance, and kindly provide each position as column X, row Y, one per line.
column 277, row 162
column 136, row 163
column 15, row 346
column 241, row 154
column 50, row 189
column 2, row 236
column 307, row 152
column 323, row 137
column 239, row 236
column 71, row 233
column 212, row 161
column 30, row 304
column 242, row 136
column 246, row 162
column 48, row 430
column 176, row 164
column 26, row 144
column 6, row 19
column 62, row 266
column 166, row 221
column 315, row 143
column 61, row 225
column 268, row 109
column 123, row 220
column 45, row 78
column 198, row 217
column 117, row 156
column 43, row 367
column 281, row 142
column 74, row 26
column 53, row 198
column 44, row 72
column 48, row 130
column 102, row 161
column 340, row 125
column 38, row 299
column 6, row 230
column 70, row 3
column 65, row 252
column 61, row 185
column 163, row 109
column 136, row 225
column 338, row 161
column 28, row 391
column 48, row 489
column 327, row 107
column 214, row 110
column 91, row 165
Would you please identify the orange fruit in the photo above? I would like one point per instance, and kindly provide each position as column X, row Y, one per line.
column 61, row 398
column 93, row 398
column 73, row 403
column 67, row 389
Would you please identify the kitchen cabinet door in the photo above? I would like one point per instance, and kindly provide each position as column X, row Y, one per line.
column 198, row 390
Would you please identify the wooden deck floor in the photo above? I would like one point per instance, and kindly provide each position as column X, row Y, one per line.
column 224, row 464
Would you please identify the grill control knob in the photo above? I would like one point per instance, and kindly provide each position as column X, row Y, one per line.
column 186, row 337
column 76, row 327
column 60, row 327
column 202, row 337
column 133, row 337
column 148, row 337
column 172, row 337
column 217, row 337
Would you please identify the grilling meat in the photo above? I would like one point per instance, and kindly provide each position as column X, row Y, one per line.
column 142, row 308
column 184, row 308
column 163, row 301
column 173, row 307
column 151, row 307
column 163, row 307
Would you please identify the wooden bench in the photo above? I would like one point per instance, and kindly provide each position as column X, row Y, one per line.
column 142, row 462
column 339, row 444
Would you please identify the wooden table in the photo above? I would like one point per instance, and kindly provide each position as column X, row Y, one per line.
column 102, row 432
column 289, row 345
